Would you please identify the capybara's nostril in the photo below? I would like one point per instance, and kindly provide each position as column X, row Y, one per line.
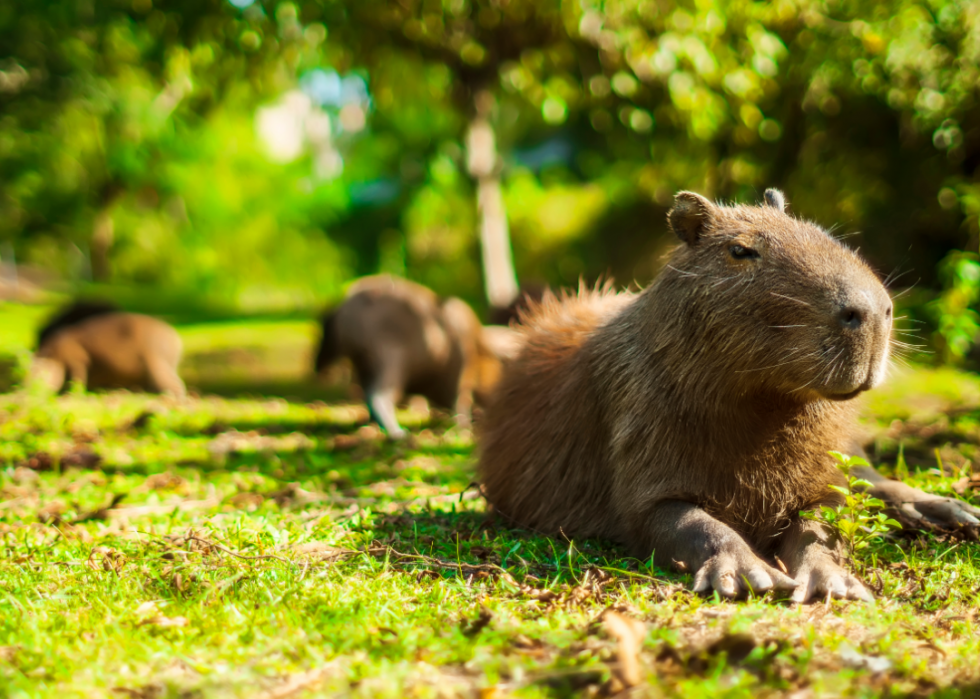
column 850, row 317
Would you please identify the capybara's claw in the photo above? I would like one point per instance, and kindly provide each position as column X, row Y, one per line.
column 826, row 579
column 739, row 573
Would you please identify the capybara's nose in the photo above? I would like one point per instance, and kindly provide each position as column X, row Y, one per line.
column 851, row 317
column 856, row 310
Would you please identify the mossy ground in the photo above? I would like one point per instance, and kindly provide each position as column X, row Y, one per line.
column 237, row 546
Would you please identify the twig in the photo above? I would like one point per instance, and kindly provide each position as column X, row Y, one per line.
column 224, row 549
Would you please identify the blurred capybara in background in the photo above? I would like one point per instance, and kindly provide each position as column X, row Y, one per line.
column 404, row 339
column 99, row 346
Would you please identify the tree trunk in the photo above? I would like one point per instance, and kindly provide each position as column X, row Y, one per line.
column 103, row 233
column 499, row 277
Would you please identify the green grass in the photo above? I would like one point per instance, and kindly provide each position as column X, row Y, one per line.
column 243, row 547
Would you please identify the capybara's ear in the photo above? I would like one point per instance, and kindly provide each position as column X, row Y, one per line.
column 775, row 199
column 691, row 216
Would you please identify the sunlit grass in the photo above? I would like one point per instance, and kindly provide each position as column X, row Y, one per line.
column 234, row 547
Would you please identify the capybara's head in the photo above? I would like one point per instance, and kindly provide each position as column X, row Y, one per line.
column 780, row 304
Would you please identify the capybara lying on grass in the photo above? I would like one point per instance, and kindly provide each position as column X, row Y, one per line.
column 693, row 420
column 101, row 347
column 404, row 339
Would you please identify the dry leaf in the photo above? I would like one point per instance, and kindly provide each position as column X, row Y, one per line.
column 51, row 512
column 107, row 559
column 147, row 608
column 39, row 461
column 475, row 626
column 247, row 501
column 82, row 457
column 964, row 484
column 165, row 621
column 294, row 684
column 235, row 442
column 25, row 475
column 629, row 634
column 164, row 481
column 321, row 550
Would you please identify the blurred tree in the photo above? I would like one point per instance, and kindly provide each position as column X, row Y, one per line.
column 111, row 109
column 123, row 117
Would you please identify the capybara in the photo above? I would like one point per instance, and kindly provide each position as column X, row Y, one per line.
column 693, row 420
column 102, row 347
column 404, row 339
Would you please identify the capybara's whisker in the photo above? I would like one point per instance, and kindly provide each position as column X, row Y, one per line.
column 775, row 366
column 684, row 272
column 790, row 298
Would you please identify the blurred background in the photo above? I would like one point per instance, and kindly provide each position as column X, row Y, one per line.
column 230, row 165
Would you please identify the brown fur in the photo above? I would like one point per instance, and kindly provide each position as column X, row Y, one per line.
column 114, row 350
column 723, row 386
column 530, row 293
column 403, row 339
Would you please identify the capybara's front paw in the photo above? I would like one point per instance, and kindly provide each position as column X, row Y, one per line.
column 821, row 577
column 738, row 571
column 917, row 505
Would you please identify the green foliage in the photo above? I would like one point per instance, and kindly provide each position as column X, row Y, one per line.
column 860, row 519
column 132, row 147
column 957, row 321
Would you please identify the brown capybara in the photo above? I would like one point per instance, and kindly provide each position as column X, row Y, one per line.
column 404, row 339
column 102, row 347
column 693, row 420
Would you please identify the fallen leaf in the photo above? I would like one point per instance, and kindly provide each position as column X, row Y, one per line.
column 964, row 484
column 165, row 621
column 475, row 626
column 321, row 550
column 51, row 513
column 141, row 420
column 235, row 442
column 25, row 475
column 164, row 481
column 82, row 457
column 294, row 684
column 853, row 658
column 247, row 501
column 39, row 461
column 736, row 646
column 107, row 559
column 629, row 634
column 147, row 608
column 154, row 690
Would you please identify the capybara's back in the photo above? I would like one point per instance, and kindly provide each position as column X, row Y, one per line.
column 693, row 420
column 117, row 350
column 542, row 413
column 78, row 311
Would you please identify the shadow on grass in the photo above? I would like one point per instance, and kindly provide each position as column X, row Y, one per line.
column 304, row 391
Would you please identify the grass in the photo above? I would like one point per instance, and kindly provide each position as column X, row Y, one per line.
column 257, row 547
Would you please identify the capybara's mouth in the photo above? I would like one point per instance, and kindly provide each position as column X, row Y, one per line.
column 834, row 395
column 845, row 396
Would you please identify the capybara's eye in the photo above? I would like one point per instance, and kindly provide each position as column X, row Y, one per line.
column 740, row 252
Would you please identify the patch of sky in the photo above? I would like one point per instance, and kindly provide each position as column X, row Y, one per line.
column 328, row 89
